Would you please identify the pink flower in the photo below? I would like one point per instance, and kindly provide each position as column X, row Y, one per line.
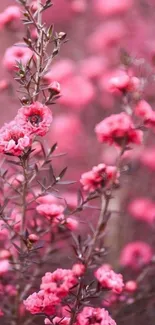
column 4, row 266
column 59, row 282
column 124, row 83
column 93, row 67
column 58, row 320
column 35, row 118
column 109, row 279
column 14, row 54
column 112, row 7
column 11, row 14
column 47, row 199
column 71, row 89
column 33, row 238
column 60, row 71
column 14, row 140
column 142, row 209
column 79, row 6
column 100, row 176
column 118, row 129
column 131, row 286
column 147, row 158
column 94, row 316
column 78, row 269
column 53, row 212
column 71, row 224
column 136, row 255
column 144, row 110
column 41, row 303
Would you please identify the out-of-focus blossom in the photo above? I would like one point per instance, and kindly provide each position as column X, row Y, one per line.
column 118, row 129
column 71, row 223
column 78, row 269
column 100, row 176
column 71, row 90
column 109, row 279
column 16, row 54
column 35, row 118
column 52, row 212
column 90, row 315
column 5, row 266
column 111, row 7
column 60, row 71
column 92, row 67
column 142, row 209
column 131, row 286
column 136, row 254
column 11, row 15
column 144, row 110
column 147, row 158
column 78, row 6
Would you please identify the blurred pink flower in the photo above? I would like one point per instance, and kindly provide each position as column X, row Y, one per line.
column 118, row 129
column 52, row 212
column 16, row 54
column 136, row 254
column 111, row 7
column 142, row 209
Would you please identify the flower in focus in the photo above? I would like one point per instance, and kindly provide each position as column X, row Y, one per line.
column 118, row 129
column 35, row 118
column 136, row 254
column 59, row 282
column 100, row 176
column 53, row 212
column 94, row 316
column 109, row 279
column 14, row 140
column 16, row 54
column 41, row 303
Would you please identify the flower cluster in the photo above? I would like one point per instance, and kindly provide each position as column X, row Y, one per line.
column 100, row 176
column 16, row 137
column 118, row 129
column 54, row 287
column 94, row 316
column 109, row 279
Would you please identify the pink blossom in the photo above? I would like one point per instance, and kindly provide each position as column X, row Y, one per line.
column 71, row 224
column 41, row 303
column 78, row 6
column 71, row 89
column 109, row 279
column 55, row 87
column 142, row 209
column 4, row 254
column 93, row 67
column 131, row 286
column 136, row 254
column 100, row 176
column 47, row 199
column 124, row 83
column 53, row 212
column 118, row 129
column 33, row 238
column 16, row 54
column 35, row 118
column 60, row 71
column 106, row 7
column 144, row 110
column 147, row 158
column 78, row 269
column 4, row 266
column 94, row 316
column 14, row 140
column 59, row 282
column 12, row 14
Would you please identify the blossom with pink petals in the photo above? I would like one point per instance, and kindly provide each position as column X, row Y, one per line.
column 144, row 110
column 109, row 279
column 35, row 118
column 40, row 302
column 53, row 212
column 16, row 54
column 94, row 316
column 14, row 140
column 142, row 209
column 136, row 254
column 100, row 176
column 59, row 282
column 118, row 129
column 78, row 269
